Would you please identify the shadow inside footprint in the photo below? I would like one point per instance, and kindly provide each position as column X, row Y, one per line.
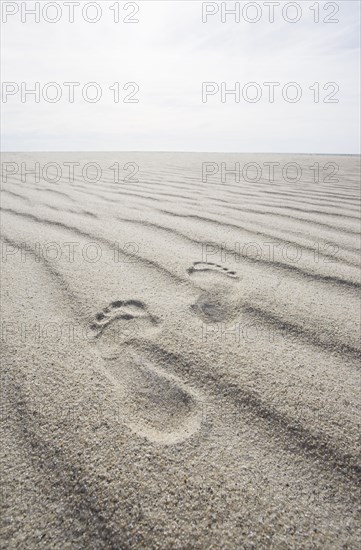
column 214, row 309
column 199, row 267
column 210, row 309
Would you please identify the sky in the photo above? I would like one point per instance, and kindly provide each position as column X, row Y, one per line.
column 169, row 54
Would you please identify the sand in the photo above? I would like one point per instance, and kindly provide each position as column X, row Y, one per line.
column 181, row 355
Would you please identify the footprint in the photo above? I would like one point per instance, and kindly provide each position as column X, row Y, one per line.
column 209, row 266
column 121, row 310
column 153, row 403
column 216, row 303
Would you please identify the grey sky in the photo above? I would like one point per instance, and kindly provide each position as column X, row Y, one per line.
column 169, row 53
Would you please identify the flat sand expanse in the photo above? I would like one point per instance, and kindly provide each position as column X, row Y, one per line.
column 180, row 352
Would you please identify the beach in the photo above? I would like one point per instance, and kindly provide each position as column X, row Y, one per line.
column 181, row 351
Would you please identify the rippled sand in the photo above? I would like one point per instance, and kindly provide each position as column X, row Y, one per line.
column 181, row 356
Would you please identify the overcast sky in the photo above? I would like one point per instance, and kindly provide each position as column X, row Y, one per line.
column 169, row 53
